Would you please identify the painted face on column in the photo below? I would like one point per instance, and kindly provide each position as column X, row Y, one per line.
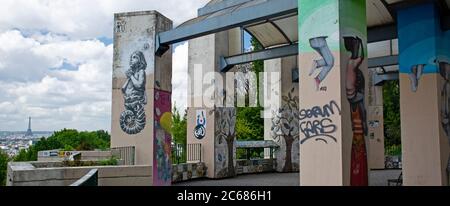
column 134, row 60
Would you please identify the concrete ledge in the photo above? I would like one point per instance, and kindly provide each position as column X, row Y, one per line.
column 26, row 174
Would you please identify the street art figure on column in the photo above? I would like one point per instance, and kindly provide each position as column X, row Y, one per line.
column 132, row 120
column 355, row 86
column 415, row 75
column 285, row 127
column 225, row 142
column 325, row 64
column 444, row 70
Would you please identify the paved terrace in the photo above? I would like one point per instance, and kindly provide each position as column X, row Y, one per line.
column 377, row 178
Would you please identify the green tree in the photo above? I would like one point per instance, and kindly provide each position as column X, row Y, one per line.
column 67, row 139
column 179, row 132
column 249, row 124
column 4, row 159
column 391, row 96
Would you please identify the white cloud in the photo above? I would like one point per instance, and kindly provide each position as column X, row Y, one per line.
column 79, row 98
column 85, row 18
column 53, row 68
column 180, row 77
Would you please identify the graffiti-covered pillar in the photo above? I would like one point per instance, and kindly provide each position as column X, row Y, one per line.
column 211, row 121
column 424, row 95
column 141, row 94
column 283, row 125
column 333, row 90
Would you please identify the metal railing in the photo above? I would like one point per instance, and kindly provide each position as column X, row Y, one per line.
column 182, row 153
column 125, row 153
column 194, row 153
column 89, row 180
column 178, row 153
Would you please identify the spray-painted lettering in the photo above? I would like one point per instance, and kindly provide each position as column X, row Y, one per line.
column 316, row 123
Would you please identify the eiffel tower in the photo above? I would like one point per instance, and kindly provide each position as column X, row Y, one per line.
column 29, row 132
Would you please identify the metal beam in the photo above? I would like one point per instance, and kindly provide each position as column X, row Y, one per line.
column 390, row 10
column 380, row 79
column 383, row 61
column 240, row 17
column 220, row 6
column 382, row 33
column 226, row 63
column 405, row 4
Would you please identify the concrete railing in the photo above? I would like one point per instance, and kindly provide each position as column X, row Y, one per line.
column 90, row 179
column 27, row 174
column 125, row 153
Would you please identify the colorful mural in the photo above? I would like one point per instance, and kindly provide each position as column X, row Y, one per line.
column 225, row 142
column 319, row 41
column 162, row 165
column 325, row 64
column 355, row 87
column 353, row 47
column 200, row 128
column 419, row 50
column 426, row 52
column 341, row 43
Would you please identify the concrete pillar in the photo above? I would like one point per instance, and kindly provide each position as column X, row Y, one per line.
column 141, row 102
column 275, row 129
column 376, row 125
column 424, row 95
column 333, row 90
column 210, row 123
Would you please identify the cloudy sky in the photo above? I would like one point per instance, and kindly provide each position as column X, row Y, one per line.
column 56, row 60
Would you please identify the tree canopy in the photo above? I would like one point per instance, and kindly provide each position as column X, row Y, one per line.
column 4, row 159
column 67, row 139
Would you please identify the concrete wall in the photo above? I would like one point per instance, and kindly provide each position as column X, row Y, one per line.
column 375, row 120
column 333, row 93
column 26, row 174
column 423, row 140
column 204, row 59
column 424, row 92
column 289, row 104
column 135, row 32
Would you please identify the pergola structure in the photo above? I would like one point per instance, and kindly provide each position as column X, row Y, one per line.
column 340, row 108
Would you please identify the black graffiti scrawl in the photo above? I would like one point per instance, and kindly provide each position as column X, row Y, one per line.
column 316, row 123
column 132, row 120
column 444, row 70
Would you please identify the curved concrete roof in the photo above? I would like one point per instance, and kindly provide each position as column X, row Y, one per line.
column 282, row 30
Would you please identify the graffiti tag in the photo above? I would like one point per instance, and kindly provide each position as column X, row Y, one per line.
column 316, row 123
